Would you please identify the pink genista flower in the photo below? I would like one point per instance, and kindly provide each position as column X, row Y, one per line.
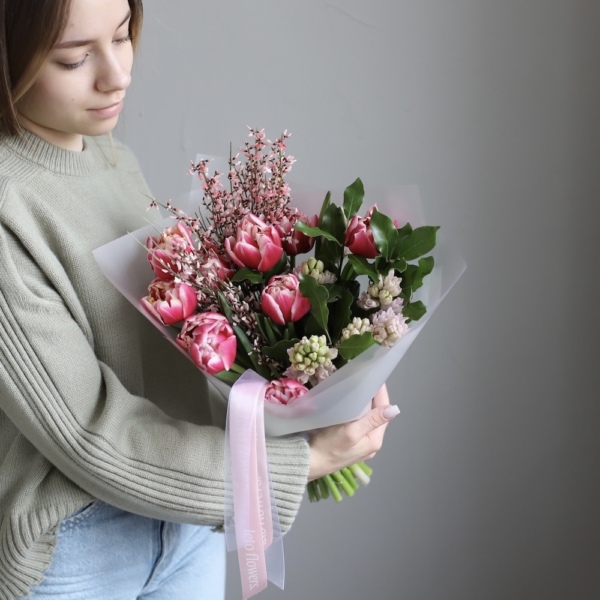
column 295, row 242
column 215, row 264
column 170, row 301
column 256, row 245
column 166, row 251
column 282, row 301
column 210, row 341
column 284, row 391
column 359, row 237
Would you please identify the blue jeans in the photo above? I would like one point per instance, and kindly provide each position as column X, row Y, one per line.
column 104, row 553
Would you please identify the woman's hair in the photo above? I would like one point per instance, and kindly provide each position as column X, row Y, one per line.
column 29, row 30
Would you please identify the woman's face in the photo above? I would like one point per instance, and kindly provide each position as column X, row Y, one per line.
column 82, row 83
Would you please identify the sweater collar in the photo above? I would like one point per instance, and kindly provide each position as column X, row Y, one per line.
column 32, row 148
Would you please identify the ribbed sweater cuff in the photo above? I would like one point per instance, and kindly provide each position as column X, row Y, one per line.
column 289, row 460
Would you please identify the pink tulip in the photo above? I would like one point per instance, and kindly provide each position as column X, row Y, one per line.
column 284, row 391
column 359, row 237
column 282, row 301
column 210, row 341
column 295, row 242
column 165, row 251
column 256, row 245
column 170, row 301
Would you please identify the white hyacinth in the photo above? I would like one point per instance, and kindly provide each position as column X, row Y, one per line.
column 311, row 360
column 357, row 327
column 388, row 327
column 366, row 302
column 381, row 294
column 315, row 268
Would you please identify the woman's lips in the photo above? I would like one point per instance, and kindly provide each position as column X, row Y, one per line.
column 108, row 111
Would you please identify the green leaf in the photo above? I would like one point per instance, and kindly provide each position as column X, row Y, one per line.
column 331, row 253
column 403, row 233
column 353, row 198
column 310, row 326
column 225, row 307
column 414, row 310
column 340, row 313
column 245, row 354
column 384, row 234
column 267, row 328
column 335, row 290
column 229, row 377
column 290, row 331
column 279, row 268
column 315, row 232
column 355, row 345
column 279, row 352
column 399, row 265
column 363, row 267
column 412, row 278
column 246, row 274
column 425, row 268
column 348, row 273
column 318, row 295
column 420, row 241
column 325, row 205
column 334, row 222
column 246, row 347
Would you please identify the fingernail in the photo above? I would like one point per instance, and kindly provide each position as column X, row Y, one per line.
column 389, row 412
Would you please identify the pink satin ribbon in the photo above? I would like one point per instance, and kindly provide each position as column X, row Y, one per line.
column 251, row 520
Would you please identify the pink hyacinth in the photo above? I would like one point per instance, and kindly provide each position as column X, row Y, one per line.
column 282, row 301
column 170, row 301
column 165, row 251
column 210, row 341
column 284, row 391
column 256, row 245
column 359, row 237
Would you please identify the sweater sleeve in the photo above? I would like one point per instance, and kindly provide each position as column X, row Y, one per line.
column 117, row 446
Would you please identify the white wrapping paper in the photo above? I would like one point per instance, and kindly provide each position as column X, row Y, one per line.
column 345, row 395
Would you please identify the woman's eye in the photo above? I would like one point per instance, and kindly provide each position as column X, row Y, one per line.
column 123, row 40
column 71, row 66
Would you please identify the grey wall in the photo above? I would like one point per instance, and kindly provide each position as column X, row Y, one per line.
column 488, row 485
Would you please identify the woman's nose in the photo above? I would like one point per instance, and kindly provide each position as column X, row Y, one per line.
column 114, row 73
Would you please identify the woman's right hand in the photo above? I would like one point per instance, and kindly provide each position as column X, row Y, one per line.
column 338, row 446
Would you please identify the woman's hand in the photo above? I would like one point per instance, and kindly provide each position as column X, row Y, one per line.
column 338, row 446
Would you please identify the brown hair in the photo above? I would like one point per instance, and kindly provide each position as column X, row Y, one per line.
column 29, row 30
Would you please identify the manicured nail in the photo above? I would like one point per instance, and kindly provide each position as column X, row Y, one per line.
column 389, row 412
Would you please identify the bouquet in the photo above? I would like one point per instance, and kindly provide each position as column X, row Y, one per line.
column 296, row 310
column 237, row 281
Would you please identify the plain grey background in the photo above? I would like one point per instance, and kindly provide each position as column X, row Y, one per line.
column 488, row 484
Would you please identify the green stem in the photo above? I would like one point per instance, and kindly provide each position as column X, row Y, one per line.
column 333, row 488
column 228, row 376
column 347, row 473
column 366, row 468
column 312, row 489
column 323, row 488
column 341, row 481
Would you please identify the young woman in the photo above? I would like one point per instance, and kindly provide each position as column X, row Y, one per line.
column 111, row 476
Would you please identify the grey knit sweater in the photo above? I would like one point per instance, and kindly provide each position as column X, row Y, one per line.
column 93, row 402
